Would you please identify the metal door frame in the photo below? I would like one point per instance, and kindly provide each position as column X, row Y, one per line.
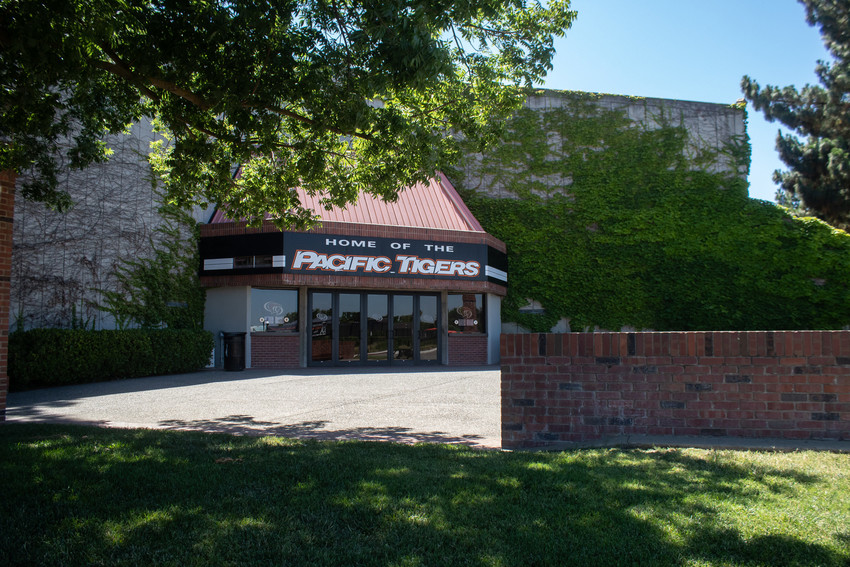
column 334, row 361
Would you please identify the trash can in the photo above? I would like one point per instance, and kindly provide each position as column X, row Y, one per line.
column 234, row 350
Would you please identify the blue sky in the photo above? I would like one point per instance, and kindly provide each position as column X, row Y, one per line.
column 692, row 50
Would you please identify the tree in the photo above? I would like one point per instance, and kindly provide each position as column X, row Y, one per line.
column 792, row 203
column 337, row 96
column 819, row 175
column 161, row 290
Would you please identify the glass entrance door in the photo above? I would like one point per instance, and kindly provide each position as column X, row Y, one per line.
column 321, row 340
column 429, row 336
column 403, row 328
column 349, row 327
column 374, row 328
column 377, row 327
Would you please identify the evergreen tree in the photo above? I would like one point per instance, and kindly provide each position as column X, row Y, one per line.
column 819, row 175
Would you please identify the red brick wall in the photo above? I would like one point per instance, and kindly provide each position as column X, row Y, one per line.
column 274, row 351
column 7, row 213
column 581, row 387
column 467, row 350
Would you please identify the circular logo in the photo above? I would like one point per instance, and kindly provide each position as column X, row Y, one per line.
column 273, row 307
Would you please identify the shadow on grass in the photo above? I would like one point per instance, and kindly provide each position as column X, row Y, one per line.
column 722, row 546
column 248, row 425
column 78, row 496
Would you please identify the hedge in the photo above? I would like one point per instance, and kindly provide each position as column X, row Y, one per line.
column 53, row 357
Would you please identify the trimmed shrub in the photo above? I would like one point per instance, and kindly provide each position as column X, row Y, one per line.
column 54, row 357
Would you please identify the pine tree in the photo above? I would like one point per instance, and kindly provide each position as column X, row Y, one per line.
column 819, row 175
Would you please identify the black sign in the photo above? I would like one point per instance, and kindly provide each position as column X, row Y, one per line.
column 383, row 257
column 307, row 253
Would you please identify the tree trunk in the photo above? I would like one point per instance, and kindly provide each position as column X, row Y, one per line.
column 7, row 214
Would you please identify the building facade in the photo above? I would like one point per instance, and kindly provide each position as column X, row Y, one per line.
column 417, row 282
column 414, row 282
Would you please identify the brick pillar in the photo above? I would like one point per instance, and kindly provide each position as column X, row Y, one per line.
column 7, row 213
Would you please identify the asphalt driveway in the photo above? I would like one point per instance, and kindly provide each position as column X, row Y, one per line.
column 408, row 405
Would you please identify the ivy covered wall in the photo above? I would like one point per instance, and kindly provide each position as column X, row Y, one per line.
column 64, row 263
column 612, row 221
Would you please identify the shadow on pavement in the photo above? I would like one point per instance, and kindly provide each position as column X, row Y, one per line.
column 46, row 396
column 247, row 425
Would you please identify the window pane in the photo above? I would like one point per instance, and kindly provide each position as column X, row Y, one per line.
column 322, row 339
column 428, row 331
column 274, row 310
column 349, row 327
column 403, row 327
column 378, row 330
column 262, row 261
column 466, row 313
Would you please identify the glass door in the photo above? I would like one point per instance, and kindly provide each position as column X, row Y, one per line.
column 322, row 342
column 377, row 327
column 429, row 335
column 349, row 327
column 403, row 348
column 382, row 328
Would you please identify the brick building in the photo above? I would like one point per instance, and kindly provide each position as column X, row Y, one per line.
column 62, row 261
column 417, row 281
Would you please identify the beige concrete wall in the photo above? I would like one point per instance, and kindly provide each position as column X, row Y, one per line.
column 710, row 126
column 60, row 260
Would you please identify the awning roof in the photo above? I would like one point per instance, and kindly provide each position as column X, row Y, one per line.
column 432, row 205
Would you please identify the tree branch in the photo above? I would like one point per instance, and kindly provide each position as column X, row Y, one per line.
column 496, row 32
column 461, row 51
column 124, row 74
column 311, row 122
column 124, row 70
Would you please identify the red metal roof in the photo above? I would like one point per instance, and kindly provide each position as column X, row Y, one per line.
column 432, row 205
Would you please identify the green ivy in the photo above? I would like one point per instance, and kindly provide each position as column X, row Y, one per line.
column 622, row 225
column 162, row 290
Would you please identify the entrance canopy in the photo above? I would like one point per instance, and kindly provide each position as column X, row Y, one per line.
column 432, row 205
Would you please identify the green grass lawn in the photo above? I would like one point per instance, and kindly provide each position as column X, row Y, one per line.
column 88, row 496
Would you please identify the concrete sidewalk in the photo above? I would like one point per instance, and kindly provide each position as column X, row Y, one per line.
column 404, row 405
